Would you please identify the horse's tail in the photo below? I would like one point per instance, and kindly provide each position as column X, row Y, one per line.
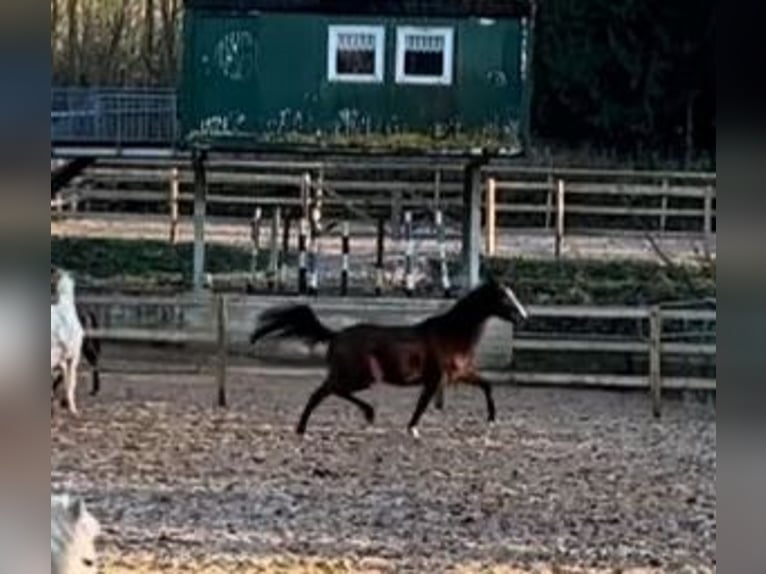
column 296, row 321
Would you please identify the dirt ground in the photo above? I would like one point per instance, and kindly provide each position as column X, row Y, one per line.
column 567, row 481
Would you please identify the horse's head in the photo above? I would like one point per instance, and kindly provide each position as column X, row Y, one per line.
column 55, row 278
column 74, row 531
column 62, row 286
column 503, row 302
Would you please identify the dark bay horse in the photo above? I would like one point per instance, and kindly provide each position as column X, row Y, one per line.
column 437, row 350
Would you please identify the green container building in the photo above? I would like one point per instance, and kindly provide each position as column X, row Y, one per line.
column 407, row 75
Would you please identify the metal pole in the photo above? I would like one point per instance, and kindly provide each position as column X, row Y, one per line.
column 174, row 192
column 313, row 261
column 282, row 280
column 274, row 243
column 471, row 225
column 302, row 273
column 255, row 238
column 491, row 236
column 409, row 266
column 446, row 284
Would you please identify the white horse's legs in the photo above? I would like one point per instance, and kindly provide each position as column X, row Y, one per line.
column 70, row 379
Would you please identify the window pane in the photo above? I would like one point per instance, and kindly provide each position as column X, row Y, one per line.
column 425, row 43
column 355, row 62
column 423, row 63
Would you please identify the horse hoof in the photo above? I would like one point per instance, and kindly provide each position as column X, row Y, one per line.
column 415, row 433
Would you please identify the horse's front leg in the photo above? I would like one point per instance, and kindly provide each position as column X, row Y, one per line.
column 431, row 384
column 474, row 379
column 71, row 385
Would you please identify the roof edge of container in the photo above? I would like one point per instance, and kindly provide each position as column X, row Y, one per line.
column 427, row 8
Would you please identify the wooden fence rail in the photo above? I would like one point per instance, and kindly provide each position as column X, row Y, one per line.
column 556, row 201
column 223, row 322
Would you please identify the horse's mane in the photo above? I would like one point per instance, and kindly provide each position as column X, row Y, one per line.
column 465, row 317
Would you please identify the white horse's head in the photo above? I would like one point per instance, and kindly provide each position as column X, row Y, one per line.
column 62, row 285
column 73, row 537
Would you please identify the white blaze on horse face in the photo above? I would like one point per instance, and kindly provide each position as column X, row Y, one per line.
column 74, row 531
column 515, row 301
column 66, row 286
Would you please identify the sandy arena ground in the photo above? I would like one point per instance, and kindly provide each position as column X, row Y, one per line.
column 568, row 481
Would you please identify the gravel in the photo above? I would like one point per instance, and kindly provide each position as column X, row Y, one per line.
column 567, row 479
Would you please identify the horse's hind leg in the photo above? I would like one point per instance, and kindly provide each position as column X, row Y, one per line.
column 319, row 395
column 367, row 410
column 90, row 351
column 71, row 385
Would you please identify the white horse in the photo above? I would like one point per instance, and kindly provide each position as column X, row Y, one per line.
column 73, row 536
column 66, row 334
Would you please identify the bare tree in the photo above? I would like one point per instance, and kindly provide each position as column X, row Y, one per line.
column 72, row 37
column 147, row 52
column 169, row 13
column 115, row 42
column 117, row 28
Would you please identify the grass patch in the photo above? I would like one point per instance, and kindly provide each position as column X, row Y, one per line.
column 591, row 282
column 156, row 263
column 151, row 260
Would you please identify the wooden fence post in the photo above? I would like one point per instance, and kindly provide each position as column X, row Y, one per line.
column 549, row 202
column 438, row 189
column 222, row 336
column 655, row 360
column 559, row 218
column 276, row 219
column 173, row 204
column 491, row 213
column 708, row 224
column 664, row 206
column 379, row 255
column 345, row 253
column 396, row 213
column 306, row 196
column 200, row 209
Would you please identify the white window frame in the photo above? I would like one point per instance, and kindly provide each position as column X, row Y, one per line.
column 448, row 34
column 334, row 31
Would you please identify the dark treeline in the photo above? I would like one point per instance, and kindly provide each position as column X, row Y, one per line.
column 627, row 81
column 627, row 78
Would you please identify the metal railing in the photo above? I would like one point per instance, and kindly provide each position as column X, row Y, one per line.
column 118, row 117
